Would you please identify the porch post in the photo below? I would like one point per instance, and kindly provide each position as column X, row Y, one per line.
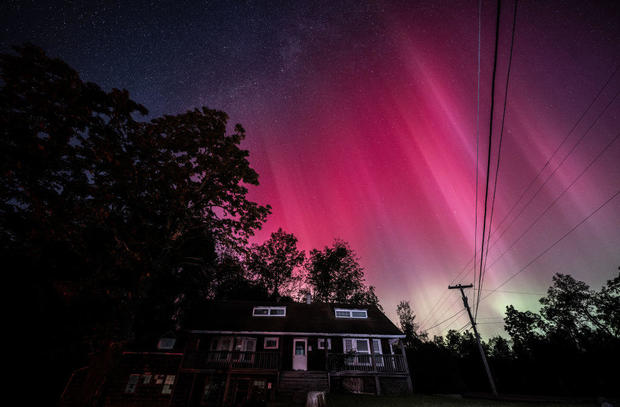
column 326, row 346
column 409, row 381
column 226, row 387
column 374, row 368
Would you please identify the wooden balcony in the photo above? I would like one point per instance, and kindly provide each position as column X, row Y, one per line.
column 365, row 363
column 232, row 360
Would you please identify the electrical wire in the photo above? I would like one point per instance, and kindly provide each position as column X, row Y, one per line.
column 477, row 138
column 499, row 153
column 570, row 132
column 559, row 196
column 446, row 320
column 486, row 191
column 611, row 198
column 443, row 298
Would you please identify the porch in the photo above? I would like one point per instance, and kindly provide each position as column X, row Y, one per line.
column 335, row 362
column 349, row 363
column 232, row 360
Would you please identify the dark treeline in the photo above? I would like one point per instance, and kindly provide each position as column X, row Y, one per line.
column 113, row 227
column 571, row 347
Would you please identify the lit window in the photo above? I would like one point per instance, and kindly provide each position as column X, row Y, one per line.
column 167, row 389
column 271, row 343
column 351, row 313
column 321, row 343
column 269, row 311
column 131, row 383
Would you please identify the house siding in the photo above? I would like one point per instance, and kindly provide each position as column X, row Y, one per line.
column 203, row 378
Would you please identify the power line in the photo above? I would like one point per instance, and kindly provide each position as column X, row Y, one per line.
column 486, row 190
column 516, row 292
column 533, row 180
column 444, row 313
column 447, row 327
column 464, row 326
column 611, row 198
column 559, row 196
column 477, row 140
column 445, row 320
column 499, row 153
column 559, row 165
column 440, row 301
column 570, row 231
column 438, row 304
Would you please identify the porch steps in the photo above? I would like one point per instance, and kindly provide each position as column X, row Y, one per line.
column 295, row 384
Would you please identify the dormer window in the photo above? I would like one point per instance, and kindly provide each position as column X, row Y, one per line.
column 166, row 343
column 351, row 313
column 269, row 311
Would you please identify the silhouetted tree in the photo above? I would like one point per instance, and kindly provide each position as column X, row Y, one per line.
column 112, row 219
column 607, row 303
column 408, row 325
column 570, row 347
column 523, row 328
column 273, row 262
column 570, row 307
column 335, row 275
column 499, row 348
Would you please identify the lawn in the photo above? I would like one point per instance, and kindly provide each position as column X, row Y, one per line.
column 351, row 400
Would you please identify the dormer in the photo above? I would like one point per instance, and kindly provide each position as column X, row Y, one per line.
column 269, row 311
column 351, row 313
column 167, row 341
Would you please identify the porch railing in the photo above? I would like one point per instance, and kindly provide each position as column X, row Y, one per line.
column 232, row 359
column 361, row 362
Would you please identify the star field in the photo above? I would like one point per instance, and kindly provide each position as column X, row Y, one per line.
column 361, row 121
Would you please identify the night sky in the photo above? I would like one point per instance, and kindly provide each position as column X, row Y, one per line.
column 361, row 121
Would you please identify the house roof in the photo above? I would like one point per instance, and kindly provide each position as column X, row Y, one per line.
column 301, row 318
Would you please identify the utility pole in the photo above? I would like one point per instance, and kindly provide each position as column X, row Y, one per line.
column 473, row 325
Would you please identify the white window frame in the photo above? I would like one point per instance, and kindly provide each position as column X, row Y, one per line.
column 132, row 383
column 168, row 384
column 270, row 311
column 357, row 361
column 217, row 343
column 349, row 313
column 242, row 346
column 377, row 350
column 276, row 338
column 217, row 350
column 166, row 343
column 320, row 344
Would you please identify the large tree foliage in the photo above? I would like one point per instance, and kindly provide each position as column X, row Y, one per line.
column 572, row 308
column 336, row 276
column 114, row 224
column 571, row 346
column 98, row 206
column 523, row 328
column 273, row 262
column 406, row 318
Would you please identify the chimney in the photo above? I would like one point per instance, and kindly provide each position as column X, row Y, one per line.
column 308, row 298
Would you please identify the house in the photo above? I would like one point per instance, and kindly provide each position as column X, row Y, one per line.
column 247, row 353
column 241, row 351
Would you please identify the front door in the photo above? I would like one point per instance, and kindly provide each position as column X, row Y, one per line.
column 300, row 354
